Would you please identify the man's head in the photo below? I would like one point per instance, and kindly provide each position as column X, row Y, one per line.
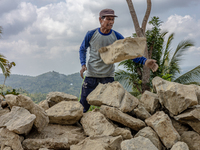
column 106, row 18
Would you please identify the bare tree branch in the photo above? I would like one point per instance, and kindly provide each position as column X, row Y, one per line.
column 146, row 17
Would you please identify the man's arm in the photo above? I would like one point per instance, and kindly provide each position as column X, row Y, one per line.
column 83, row 50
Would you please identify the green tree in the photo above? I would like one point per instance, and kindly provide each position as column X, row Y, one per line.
column 169, row 62
column 5, row 66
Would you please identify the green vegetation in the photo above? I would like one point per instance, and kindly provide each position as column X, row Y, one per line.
column 38, row 87
column 167, row 59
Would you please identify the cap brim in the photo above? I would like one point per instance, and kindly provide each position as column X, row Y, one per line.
column 110, row 15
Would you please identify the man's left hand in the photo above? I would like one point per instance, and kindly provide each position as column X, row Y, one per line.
column 151, row 63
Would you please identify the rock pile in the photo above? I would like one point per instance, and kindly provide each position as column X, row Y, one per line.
column 167, row 120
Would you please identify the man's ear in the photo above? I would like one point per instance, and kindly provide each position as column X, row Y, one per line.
column 100, row 20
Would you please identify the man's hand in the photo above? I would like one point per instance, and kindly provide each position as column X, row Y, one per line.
column 151, row 63
column 83, row 70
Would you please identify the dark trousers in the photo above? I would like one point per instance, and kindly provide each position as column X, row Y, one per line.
column 89, row 84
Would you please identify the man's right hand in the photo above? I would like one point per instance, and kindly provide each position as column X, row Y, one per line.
column 83, row 70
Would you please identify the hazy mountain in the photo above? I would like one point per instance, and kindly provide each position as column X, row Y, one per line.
column 45, row 83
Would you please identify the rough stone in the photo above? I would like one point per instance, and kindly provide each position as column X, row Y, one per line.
column 119, row 98
column 99, row 143
column 95, row 124
column 4, row 111
column 138, row 143
column 150, row 101
column 7, row 148
column 174, row 96
column 44, row 104
column 192, row 139
column 180, row 146
column 54, row 137
column 65, row 112
column 191, row 117
column 123, row 118
column 162, row 124
column 180, row 128
column 149, row 133
column 41, row 120
column 10, row 139
column 128, row 48
column 56, row 97
column 141, row 112
column 19, row 120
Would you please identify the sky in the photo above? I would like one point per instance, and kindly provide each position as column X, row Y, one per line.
column 45, row 35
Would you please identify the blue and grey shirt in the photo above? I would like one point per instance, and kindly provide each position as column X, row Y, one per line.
column 95, row 39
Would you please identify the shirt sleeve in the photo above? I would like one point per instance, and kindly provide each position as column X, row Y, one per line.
column 83, row 48
column 118, row 35
column 140, row 60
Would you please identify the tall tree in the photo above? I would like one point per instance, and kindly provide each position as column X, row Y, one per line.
column 169, row 62
column 140, row 32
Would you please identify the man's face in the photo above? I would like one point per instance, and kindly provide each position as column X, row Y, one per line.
column 107, row 22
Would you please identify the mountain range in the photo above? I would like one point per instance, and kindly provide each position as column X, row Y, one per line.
column 45, row 83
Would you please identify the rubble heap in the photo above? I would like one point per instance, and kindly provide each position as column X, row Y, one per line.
column 166, row 120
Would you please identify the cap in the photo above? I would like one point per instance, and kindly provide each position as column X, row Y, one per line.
column 107, row 12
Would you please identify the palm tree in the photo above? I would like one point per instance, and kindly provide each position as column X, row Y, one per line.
column 169, row 62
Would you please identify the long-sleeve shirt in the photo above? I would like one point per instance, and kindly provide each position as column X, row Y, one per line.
column 95, row 39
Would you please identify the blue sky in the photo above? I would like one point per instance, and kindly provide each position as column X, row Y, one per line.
column 42, row 36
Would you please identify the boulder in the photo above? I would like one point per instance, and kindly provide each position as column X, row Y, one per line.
column 65, row 112
column 7, row 148
column 162, row 124
column 150, row 101
column 41, row 120
column 191, row 117
column 141, row 112
column 149, row 133
column 4, row 111
column 99, row 143
column 192, row 139
column 138, row 143
column 180, row 146
column 123, row 118
column 95, row 124
column 19, row 120
column 119, row 98
column 56, row 97
column 174, row 96
column 44, row 104
column 180, row 128
column 54, row 137
column 10, row 139
column 128, row 48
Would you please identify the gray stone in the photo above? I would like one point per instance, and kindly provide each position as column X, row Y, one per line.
column 56, row 97
column 10, row 139
column 162, row 124
column 141, row 112
column 99, row 143
column 149, row 133
column 174, row 96
column 150, row 101
column 138, row 143
column 180, row 146
column 44, row 104
column 41, row 120
column 123, row 118
column 54, row 137
column 19, row 120
column 65, row 112
column 119, row 98
column 128, row 48
column 192, row 139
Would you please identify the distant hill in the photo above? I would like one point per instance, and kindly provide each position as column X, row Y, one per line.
column 45, row 83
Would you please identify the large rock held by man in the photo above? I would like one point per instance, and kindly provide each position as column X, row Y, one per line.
column 128, row 48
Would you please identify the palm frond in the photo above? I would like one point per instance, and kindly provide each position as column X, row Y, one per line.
column 176, row 58
column 124, row 78
column 192, row 76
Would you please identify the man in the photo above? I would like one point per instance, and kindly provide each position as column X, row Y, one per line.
column 97, row 71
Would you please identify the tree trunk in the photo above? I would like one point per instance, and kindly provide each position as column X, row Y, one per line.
column 141, row 33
